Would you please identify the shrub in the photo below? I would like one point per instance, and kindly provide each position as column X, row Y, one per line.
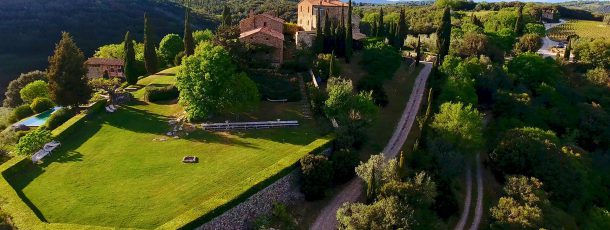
column 381, row 59
column 344, row 165
column 41, row 104
column 32, row 142
column 5, row 117
column 21, row 112
column 160, row 93
column 58, row 118
column 178, row 58
column 317, row 176
column 34, row 90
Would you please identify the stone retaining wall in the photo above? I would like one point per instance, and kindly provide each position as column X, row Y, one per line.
column 284, row 190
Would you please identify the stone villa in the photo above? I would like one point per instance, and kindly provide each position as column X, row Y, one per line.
column 308, row 18
column 97, row 66
column 264, row 29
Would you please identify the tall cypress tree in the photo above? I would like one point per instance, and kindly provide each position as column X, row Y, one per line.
column 150, row 53
column 519, row 22
column 566, row 55
column 418, row 51
column 67, row 74
column 131, row 74
column 380, row 24
column 226, row 16
column 401, row 31
column 348, row 35
column 319, row 41
column 333, row 36
column 374, row 29
column 189, row 43
column 444, row 35
column 327, row 34
column 340, row 36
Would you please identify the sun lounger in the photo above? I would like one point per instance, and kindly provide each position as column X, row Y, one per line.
column 51, row 146
column 113, row 107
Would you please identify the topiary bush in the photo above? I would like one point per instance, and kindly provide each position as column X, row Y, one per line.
column 21, row 112
column 160, row 93
column 58, row 118
column 41, row 104
column 32, row 142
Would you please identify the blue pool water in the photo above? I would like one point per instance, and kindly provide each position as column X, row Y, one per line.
column 38, row 119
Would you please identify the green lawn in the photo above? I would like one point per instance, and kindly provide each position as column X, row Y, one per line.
column 113, row 173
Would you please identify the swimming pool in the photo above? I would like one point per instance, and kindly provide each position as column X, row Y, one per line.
column 38, row 119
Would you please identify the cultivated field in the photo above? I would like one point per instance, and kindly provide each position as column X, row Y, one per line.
column 119, row 170
column 584, row 29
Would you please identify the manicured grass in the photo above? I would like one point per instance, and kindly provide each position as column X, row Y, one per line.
column 584, row 29
column 112, row 172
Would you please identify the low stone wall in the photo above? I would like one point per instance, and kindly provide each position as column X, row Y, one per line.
column 284, row 190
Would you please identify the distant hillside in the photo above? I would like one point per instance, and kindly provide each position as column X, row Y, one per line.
column 30, row 28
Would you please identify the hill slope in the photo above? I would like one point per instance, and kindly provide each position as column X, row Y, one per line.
column 30, row 28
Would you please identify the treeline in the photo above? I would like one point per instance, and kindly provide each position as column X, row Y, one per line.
column 241, row 8
column 30, row 27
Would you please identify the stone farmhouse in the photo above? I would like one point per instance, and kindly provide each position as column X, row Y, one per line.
column 97, row 66
column 264, row 29
column 308, row 18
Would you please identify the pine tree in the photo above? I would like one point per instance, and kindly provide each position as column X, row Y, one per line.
column 444, row 36
column 67, row 74
column 318, row 45
column 327, row 34
column 380, row 24
column 418, row 51
column 226, row 16
column 401, row 31
column 349, row 47
column 131, row 74
column 519, row 22
column 150, row 53
column 189, row 43
column 568, row 51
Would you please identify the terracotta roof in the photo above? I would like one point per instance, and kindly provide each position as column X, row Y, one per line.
column 267, row 15
column 104, row 61
column 327, row 3
column 265, row 30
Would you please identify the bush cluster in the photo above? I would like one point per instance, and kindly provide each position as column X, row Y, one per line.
column 41, row 104
column 160, row 93
column 21, row 112
column 58, row 118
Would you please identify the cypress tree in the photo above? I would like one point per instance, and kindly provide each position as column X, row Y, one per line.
column 444, row 35
column 392, row 34
column 67, row 74
column 340, row 36
column 226, row 16
column 402, row 163
column 380, row 24
column 374, row 29
column 129, row 61
column 319, row 42
column 189, row 43
column 418, row 51
column 348, row 35
column 370, row 190
column 150, row 53
column 331, row 65
column 568, row 52
column 401, row 31
column 519, row 22
column 335, row 35
column 327, row 34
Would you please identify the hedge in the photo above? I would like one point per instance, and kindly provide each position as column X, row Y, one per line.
column 58, row 118
column 41, row 104
column 160, row 93
column 219, row 205
column 21, row 112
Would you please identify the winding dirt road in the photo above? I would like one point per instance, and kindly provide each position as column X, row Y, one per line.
column 327, row 220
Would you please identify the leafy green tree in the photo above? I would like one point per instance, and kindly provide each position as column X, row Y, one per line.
column 474, row 44
column 535, row 28
column 593, row 52
column 459, row 125
column 344, row 162
column 443, row 34
column 41, row 104
column 36, row 89
column 349, row 40
column 520, row 148
column 459, row 89
column 386, row 213
column 377, row 171
column 522, row 205
column 12, row 96
column 531, row 70
column 129, row 59
column 418, row 192
column 597, row 76
column 223, row 89
column 317, row 174
column 67, row 74
column 519, row 23
column 32, row 142
column 150, row 53
column 189, row 42
column 529, row 43
column 202, row 36
column 169, row 47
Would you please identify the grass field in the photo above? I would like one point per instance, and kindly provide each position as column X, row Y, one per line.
column 114, row 172
column 584, row 29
